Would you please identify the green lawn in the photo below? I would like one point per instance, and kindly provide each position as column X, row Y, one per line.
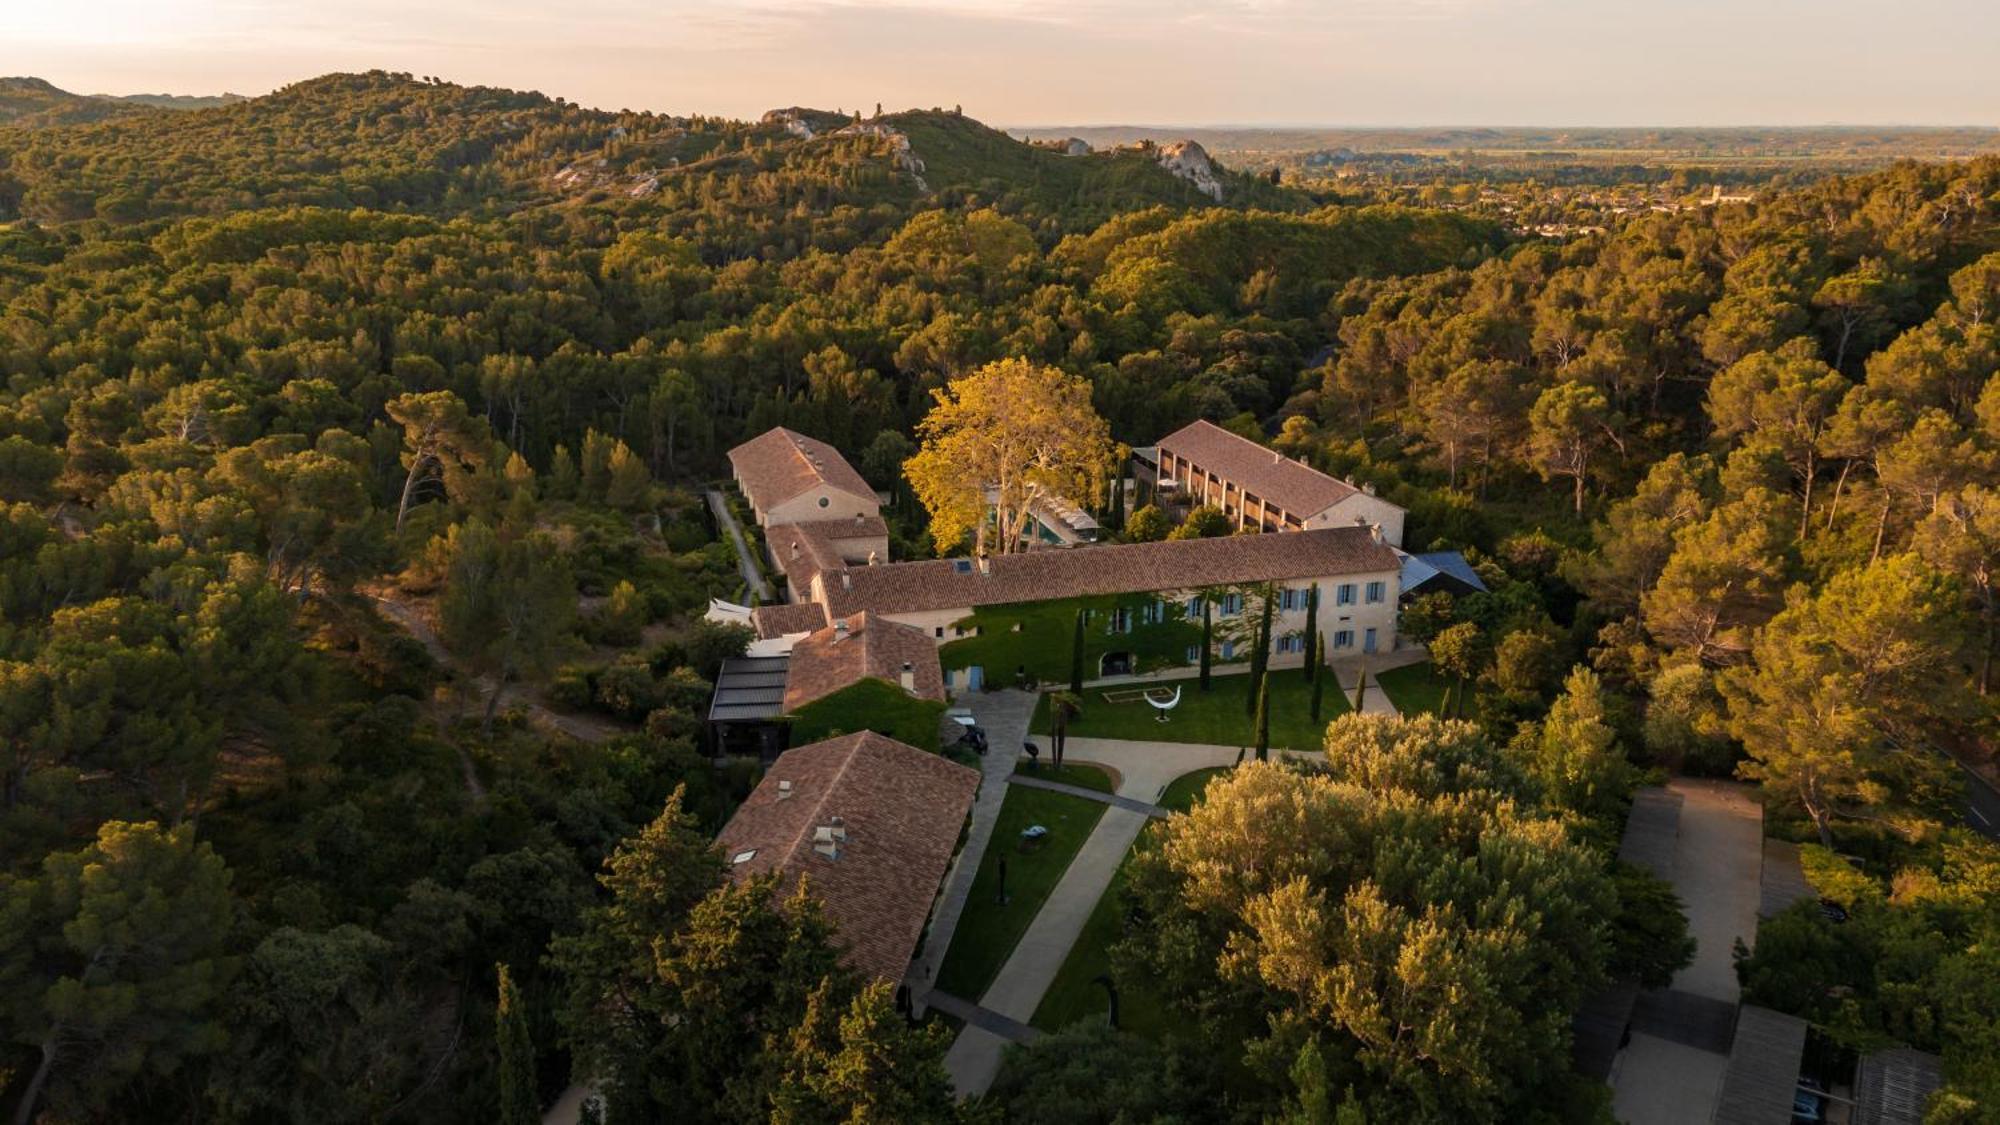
column 1414, row 688
column 1074, row 995
column 1220, row 716
column 988, row 931
column 1182, row 791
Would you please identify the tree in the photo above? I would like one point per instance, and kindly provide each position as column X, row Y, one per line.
column 614, row 999
column 1147, row 524
column 1837, row 706
column 1319, row 682
column 1461, row 651
column 112, row 964
column 1260, row 652
column 1787, row 397
column 1090, row 1073
column 1636, row 538
column 1207, row 639
column 1025, row 431
column 1567, row 426
column 1314, row 658
column 440, row 437
column 1204, row 521
column 1261, row 728
column 1466, row 414
column 1063, row 707
column 628, row 485
column 506, row 604
column 1076, row 657
column 1649, row 935
column 1574, row 753
column 519, row 1103
column 1962, row 537
column 864, row 1063
column 1444, row 998
column 1722, row 580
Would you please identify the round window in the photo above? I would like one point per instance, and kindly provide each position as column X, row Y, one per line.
column 823, row 501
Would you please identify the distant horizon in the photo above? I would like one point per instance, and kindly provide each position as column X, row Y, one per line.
column 1136, row 126
column 1208, row 64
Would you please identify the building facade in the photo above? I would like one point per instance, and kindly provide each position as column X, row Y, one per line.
column 1257, row 487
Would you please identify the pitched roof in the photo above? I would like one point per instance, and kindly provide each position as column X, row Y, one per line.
column 808, row 547
column 787, row 617
column 854, row 648
column 1297, row 488
column 1763, row 1070
column 900, row 810
column 1124, row 568
column 779, row 464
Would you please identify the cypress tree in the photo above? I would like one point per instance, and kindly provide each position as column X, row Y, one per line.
column 1319, row 684
column 1076, row 657
column 1264, row 717
column 1207, row 638
column 1312, row 634
column 1260, row 657
column 1361, row 689
column 1117, row 503
column 519, row 1104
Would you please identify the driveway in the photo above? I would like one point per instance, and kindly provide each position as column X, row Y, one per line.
column 1672, row 1069
column 753, row 575
column 1004, row 716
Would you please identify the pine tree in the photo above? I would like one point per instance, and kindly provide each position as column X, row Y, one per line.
column 518, row 1103
column 1076, row 657
column 1263, row 733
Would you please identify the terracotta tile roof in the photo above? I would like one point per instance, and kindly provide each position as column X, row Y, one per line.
column 779, row 620
column 854, row 648
column 779, row 464
column 901, row 810
column 1299, row 489
column 1126, row 568
column 810, row 547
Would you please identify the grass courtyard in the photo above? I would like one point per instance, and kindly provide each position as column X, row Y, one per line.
column 1075, row 994
column 988, row 931
column 1415, row 688
column 1220, row 716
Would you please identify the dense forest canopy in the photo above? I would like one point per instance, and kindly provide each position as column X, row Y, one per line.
column 464, row 357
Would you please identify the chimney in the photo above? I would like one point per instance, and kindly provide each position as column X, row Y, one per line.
column 873, row 558
column 1375, row 532
column 795, row 548
column 828, row 838
column 985, row 565
column 846, row 581
column 784, row 790
column 1277, row 458
column 909, row 677
column 840, row 630
column 859, row 519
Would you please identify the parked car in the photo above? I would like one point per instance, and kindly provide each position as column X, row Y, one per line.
column 1832, row 911
column 975, row 738
column 1808, row 1103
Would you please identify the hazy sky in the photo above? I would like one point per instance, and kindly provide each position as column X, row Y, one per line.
column 1020, row 62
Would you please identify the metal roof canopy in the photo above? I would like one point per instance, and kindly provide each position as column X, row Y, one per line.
column 1891, row 1087
column 1763, row 1074
column 749, row 688
column 1653, row 831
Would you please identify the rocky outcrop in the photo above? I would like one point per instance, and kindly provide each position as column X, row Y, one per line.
column 1190, row 162
column 906, row 157
column 792, row 119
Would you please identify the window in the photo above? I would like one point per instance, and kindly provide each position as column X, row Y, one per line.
column 1194, row 606
column 823, row 501
column 1232, row 604
column 940, row 632
column 1228, row 650
column 1285, row 601
column 1291, row 644
column 1375, row 592
column 1345, row 596
column 1194, row 654
column 1343, row 638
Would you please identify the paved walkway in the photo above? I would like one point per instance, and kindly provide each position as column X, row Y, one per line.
column 1004, row 716
column 1143, row 808
column 1377, row 701
column 1014, row 1031
column 1672, row 1068
column 753, row 575
column 974, row 1058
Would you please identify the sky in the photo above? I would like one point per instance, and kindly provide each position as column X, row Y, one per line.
column 1081, row 62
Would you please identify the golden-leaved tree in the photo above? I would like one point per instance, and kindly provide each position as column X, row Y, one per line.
column 1016, row 428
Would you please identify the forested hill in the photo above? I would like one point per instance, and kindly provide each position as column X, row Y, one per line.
column 391, row 141
column 38, row 103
